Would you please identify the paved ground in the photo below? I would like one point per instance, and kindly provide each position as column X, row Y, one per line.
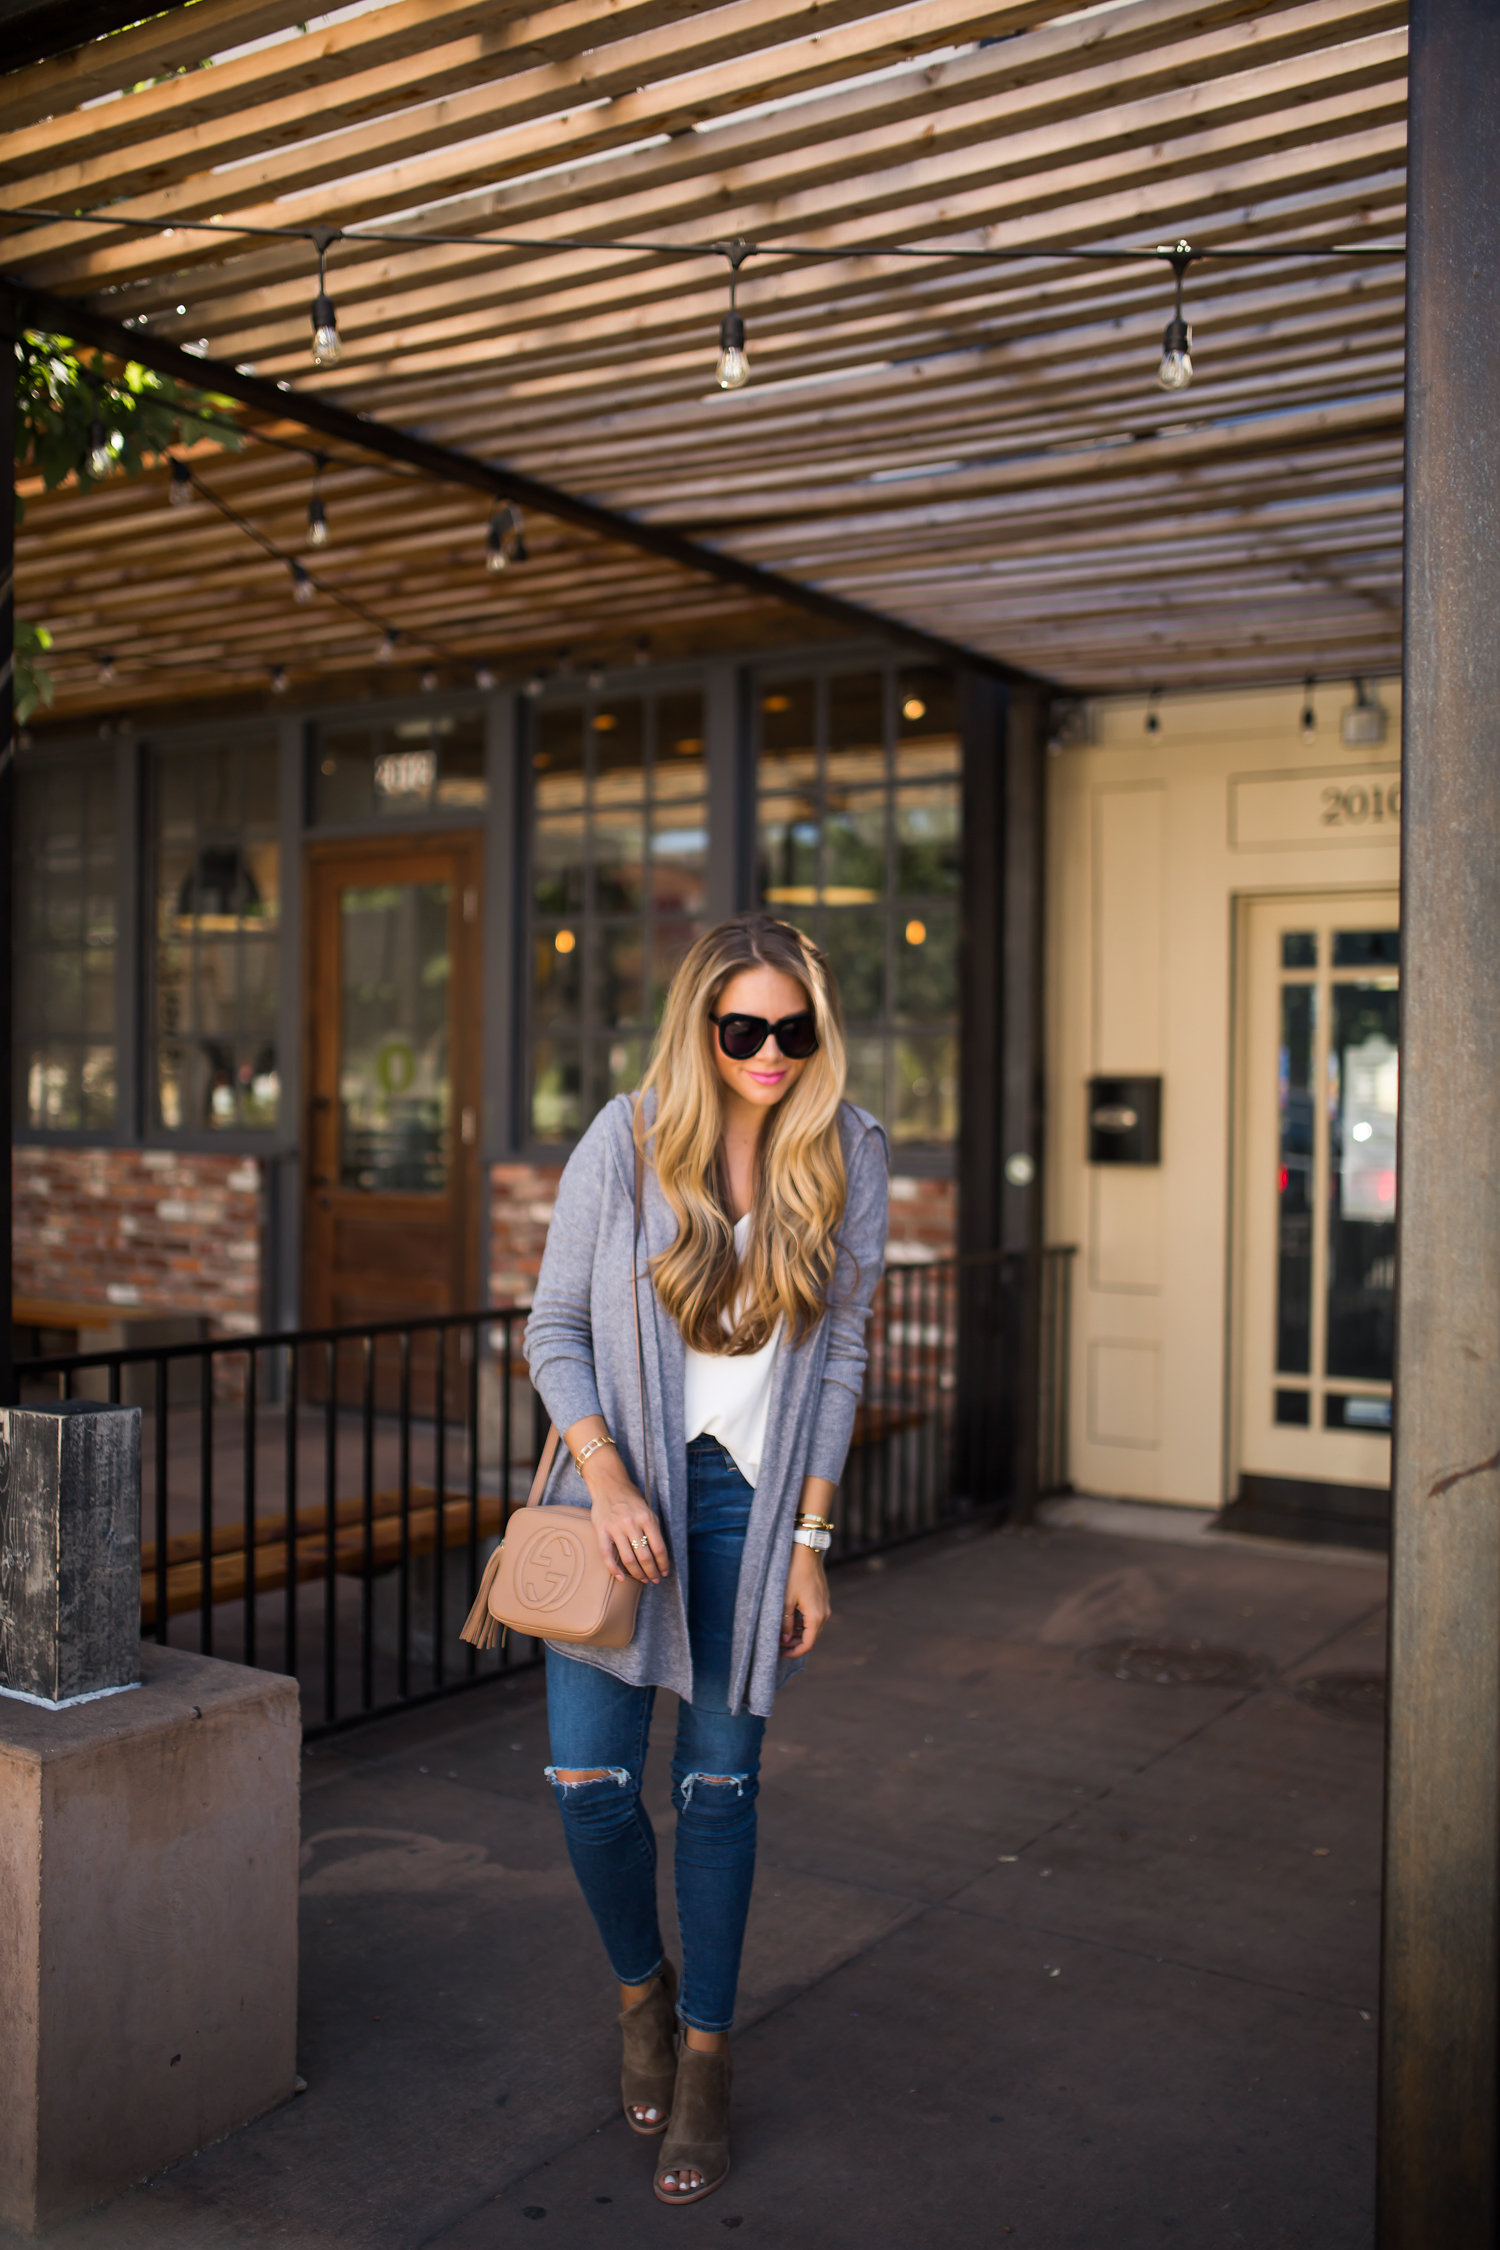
column 1039, row 1954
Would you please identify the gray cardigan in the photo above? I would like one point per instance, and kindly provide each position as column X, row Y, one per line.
column 580, row 1343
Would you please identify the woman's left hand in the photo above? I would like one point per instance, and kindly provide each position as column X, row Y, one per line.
column 807, row 1608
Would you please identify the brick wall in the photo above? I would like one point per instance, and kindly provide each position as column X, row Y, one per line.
column 143, row 1227
column 923, row 1224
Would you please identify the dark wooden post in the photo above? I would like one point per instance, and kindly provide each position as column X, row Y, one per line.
column 1000, row 1081
column 9, row 325
column 1440, row 2056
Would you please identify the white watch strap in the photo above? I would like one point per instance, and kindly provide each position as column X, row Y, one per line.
column 820, row 1540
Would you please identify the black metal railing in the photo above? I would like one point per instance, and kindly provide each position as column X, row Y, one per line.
column 323, row 1501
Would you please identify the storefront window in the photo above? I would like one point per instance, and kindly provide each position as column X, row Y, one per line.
column 65, row 932
column 217, row 912
column 399, row 770
column 859, row 832
column 619, row 848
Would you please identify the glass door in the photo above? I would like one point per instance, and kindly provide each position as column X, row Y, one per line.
column 391, row 1220
column 1317, row 1216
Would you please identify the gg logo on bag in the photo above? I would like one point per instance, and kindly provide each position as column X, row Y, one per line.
column 549, row 1570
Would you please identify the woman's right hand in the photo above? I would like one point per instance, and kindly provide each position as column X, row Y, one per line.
column 628, row 1531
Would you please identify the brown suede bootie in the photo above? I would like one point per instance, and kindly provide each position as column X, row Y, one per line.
column 699, row 2138
column 648, row 2065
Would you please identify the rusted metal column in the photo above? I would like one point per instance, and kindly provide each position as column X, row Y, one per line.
column 1440, row 2054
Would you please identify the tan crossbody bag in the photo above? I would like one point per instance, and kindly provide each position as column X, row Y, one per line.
column 547, row 1576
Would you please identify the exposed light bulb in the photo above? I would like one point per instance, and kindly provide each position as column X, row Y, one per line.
column 483, row 676
column 386, row 647
column 733, row 370
column 1176, row 369
column 429, row 681
column 317, row 523
column 325, row 327
column 496, row 553
column 595, row 679
column 180, row 492
column 101, row 451
column 642, row 648
column 106, row 671
column 278, row 679
column 303, row 588
column 534, row 686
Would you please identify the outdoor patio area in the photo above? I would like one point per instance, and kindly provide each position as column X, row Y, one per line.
column 1065, row 1934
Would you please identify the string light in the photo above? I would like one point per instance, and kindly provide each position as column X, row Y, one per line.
column 303, row 588
column 1153, row 716
column 101, row 451
column 505, row 540
column 1176, row 369
column 642, row 654
column 484, row 676
column 180, row 490
column 325, row 325
column 1309, row 715
column 386, row 647
column 317, row 514
column 278, row 679
column 733, row 370
column 106, row 671
column 428, row 682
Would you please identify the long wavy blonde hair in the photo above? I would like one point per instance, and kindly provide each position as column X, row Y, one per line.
column 800, row 1184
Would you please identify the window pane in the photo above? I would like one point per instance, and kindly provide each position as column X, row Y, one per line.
column 679, row 859
column 394, row 1084
column 557, row 980
column 556, row 1101
column 558, row 859
column 926, row 1090
column 620, row 861
column 856, row 728
column 927, row 965
column 621, row 973
column 623, row 1062
column 788, row 733
column 217, row 869
column 669, row 943
column 927, row 842
column 789, row 839
column 1364, row 1073
column 855, row 944
column 854, row 835
column 1294, row 1181
column 1366, row 949
column 681, row 769
column 1299, row 949
column 926, row 719
column 619, row 751
column 392, row 771
column 865, row 1085
column 65, row 909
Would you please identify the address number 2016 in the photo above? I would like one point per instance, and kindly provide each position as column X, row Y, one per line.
column 1356, row 806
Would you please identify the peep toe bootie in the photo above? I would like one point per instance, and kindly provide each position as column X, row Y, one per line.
column 699, row 2138
column 648, row 2065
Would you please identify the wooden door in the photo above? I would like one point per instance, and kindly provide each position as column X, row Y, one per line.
column 391, row 1222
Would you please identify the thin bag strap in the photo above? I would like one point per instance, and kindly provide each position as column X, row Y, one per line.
column 549, row 1450
column 635, row 1307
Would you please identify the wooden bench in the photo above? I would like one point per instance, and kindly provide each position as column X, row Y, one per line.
column 276, row 1557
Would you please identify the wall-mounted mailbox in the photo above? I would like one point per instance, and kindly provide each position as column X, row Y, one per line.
column 1125, row 1121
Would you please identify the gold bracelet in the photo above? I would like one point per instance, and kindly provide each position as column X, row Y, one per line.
column 813, row 1523
column 592, row 1447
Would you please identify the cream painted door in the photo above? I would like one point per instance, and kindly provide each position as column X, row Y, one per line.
column 1317, row 1200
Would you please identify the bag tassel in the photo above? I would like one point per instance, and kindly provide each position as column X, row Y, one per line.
column 481, row 1630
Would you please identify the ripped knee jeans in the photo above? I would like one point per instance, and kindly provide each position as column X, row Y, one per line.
column 600, row 1728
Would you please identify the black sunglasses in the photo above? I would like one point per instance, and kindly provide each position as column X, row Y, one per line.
column 744, row 1036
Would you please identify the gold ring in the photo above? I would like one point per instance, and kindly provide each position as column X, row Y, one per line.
column 643, row 1541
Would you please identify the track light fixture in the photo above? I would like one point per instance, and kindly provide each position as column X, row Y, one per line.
column 317, row 514
column 325, row 326
column 733, row 370
column 1176, row 369
column 303, row 588
column 180, row 490
column 505, row 540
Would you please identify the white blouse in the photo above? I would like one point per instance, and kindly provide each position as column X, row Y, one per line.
column 729, row 1396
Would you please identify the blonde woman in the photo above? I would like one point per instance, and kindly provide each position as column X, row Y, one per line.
column 762, row 1232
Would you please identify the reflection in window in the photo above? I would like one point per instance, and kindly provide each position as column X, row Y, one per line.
column 394, row 1085
column 399, row 770
column 218, row 903
column 1364, row 1080
column 859, row 831
column 619, row 848
column 65, row 941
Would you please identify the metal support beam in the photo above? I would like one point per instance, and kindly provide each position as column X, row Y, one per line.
column 1440, row 2053
column 64, row 316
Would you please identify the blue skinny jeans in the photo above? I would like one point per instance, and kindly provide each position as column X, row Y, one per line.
column 600, row 1726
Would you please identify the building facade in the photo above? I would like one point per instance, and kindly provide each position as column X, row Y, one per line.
column 1222, row 970
column 311, row 1005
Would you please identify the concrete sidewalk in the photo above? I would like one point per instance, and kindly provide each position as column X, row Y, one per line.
column 1049, row 1947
